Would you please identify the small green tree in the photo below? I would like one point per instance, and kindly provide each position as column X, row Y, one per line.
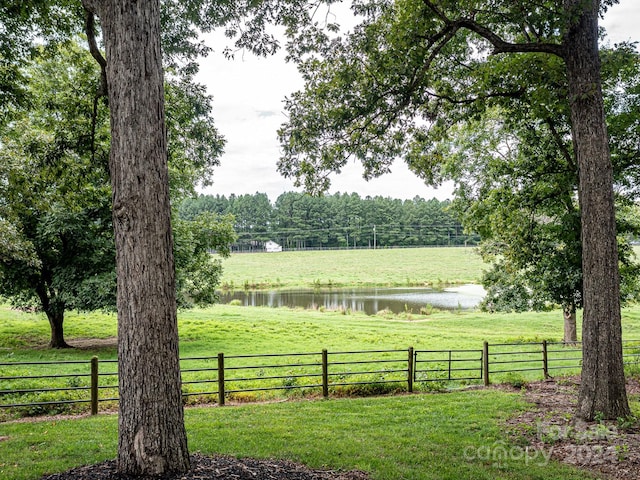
column 58, row 251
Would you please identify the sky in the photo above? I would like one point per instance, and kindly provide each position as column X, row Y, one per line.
column 248, row 108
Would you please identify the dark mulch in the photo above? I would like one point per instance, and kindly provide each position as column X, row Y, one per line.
column 217, row 468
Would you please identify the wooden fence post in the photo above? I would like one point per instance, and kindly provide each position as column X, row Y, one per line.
column 94, row 385
column 545, row 360
column 325, row 374
column 410, row 369
column 221, row 379
column 485, row 363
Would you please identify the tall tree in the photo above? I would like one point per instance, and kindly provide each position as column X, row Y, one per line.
column 414, row 68
column 46, row 152
column 517, row 178
column 152, row 438
column 602, row 387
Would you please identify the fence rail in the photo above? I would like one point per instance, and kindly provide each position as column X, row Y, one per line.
column 218, row 378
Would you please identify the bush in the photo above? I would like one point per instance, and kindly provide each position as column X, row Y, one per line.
column 368, row 389
column 514, row 379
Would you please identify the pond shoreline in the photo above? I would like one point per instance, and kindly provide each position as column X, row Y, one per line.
column 369, row 300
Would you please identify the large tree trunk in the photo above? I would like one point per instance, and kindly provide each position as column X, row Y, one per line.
column 603, row 384
column 152, row 437
column 570, row 328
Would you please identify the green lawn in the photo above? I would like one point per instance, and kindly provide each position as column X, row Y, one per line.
column 381, row 267
column 237, row 330
column 445, row 436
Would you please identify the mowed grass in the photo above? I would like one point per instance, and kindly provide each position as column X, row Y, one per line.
column 353, row 268
column 453, row 436
column 237, row 330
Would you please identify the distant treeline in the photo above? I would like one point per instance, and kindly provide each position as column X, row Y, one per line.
column 299, row 221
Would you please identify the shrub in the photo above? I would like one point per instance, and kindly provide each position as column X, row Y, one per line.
column 368, row 389
column 514, row 379
column 437, row 386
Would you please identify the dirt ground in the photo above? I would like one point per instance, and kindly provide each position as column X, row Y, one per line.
column 608, row 449
column 218, row 468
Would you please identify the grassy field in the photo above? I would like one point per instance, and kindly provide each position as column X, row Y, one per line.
column 347, row 268
column 242, row 330
column 421, row 436
column 453, row 436
column 236, row 330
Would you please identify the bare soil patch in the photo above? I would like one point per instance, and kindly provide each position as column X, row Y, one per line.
column 93, row 343
column 606, row 448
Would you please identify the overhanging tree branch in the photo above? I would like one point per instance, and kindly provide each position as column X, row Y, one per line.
column 89, row 27
column 499, row 44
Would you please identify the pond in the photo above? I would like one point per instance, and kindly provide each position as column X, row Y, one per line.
column 368, row 300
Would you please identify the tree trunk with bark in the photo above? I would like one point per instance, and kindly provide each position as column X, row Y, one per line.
column 570, row 328
column 54, row 310
column 602, row 388
column 152, row 437
column 56, row 322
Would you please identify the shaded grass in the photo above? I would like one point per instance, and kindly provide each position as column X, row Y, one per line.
column 412, row 437
column 353, row 268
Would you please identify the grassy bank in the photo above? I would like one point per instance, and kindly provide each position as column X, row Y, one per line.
column 417, row 437
column 256, row 331
column 342, row 268
column 242, row 330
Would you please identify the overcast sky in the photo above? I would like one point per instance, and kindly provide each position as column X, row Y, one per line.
column 248, row 94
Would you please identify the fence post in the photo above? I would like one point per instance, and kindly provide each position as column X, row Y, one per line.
column 410, row 368
column 94, row 385
column 221, row 379
column 325, row 374
column 545, row 360
column 485, row 363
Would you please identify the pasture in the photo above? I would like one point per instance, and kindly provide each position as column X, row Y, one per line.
column 420, row 436
column 353, row 268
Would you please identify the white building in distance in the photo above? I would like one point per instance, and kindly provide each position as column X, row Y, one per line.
column 272, row 247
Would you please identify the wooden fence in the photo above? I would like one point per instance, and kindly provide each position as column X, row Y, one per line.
column 221, row 377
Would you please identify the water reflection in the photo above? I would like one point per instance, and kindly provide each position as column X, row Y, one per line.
column 368, row 300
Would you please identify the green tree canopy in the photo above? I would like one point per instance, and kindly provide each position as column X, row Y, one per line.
column 517, row 185
column 55, row 198
column 414, row 71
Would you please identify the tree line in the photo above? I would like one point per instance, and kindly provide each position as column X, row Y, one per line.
column 342, row 220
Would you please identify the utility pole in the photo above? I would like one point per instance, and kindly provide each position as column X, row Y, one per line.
column 374, row 237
